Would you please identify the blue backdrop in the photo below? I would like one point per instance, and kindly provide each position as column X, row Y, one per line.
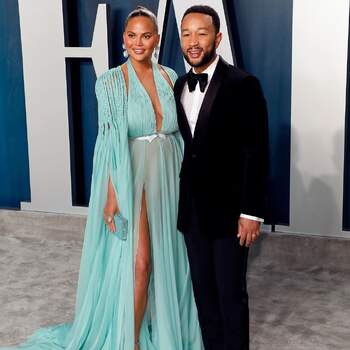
column 14, row 168
column 262, row 37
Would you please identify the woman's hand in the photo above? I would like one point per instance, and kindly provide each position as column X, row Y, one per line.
column 111, row 208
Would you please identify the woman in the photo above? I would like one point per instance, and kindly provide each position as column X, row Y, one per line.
column 133, row 293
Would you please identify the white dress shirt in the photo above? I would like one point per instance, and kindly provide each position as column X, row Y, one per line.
column 192, row 102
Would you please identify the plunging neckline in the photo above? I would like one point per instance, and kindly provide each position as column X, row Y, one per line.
column 148, row 97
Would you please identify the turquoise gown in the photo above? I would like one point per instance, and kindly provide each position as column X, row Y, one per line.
column 104, row 311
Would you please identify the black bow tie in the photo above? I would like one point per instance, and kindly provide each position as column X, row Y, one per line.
column 193, row 79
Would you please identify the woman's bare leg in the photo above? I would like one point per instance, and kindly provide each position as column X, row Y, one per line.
column 142, row 269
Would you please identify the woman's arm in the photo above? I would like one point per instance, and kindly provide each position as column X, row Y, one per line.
column 111, row 207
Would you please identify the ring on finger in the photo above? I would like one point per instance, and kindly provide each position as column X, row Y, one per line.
column 109, row 219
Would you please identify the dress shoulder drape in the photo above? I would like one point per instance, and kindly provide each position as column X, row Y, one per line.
column 104, row 311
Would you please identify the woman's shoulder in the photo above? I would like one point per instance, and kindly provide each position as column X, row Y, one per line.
column 108, row 74
column 109, row 78
column 170, row 72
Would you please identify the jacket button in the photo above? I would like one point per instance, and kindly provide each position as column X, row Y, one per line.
column 194, row 155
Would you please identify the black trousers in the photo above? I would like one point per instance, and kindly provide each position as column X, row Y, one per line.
column 218, row 270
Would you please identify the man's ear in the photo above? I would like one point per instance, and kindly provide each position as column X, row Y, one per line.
column 218, row 38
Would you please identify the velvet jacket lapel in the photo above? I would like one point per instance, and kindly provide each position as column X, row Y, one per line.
column 182, row 118
column 208, row 101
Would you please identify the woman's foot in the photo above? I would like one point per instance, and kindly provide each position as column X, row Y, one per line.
column 137, row 345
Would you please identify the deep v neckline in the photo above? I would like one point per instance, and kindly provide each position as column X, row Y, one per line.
column 148, row 97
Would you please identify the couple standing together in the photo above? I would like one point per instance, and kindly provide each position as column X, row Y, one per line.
column 177, row 281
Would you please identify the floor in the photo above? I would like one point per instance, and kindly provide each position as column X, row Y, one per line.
column 292, row 307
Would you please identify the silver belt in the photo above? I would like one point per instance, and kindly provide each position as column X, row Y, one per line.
column 150, row 138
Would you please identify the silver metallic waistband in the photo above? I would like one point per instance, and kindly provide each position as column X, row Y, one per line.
column 150, row 138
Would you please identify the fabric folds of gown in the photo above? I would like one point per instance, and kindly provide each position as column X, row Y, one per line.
column 104, row 311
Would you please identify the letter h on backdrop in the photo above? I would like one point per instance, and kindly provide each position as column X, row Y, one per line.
column 44, row 68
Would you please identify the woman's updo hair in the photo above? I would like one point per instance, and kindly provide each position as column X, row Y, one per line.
column 142, row 11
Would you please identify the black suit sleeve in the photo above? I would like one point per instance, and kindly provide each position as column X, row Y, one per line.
column 253, row 163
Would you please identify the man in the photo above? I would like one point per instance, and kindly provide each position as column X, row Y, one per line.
column 223, row 120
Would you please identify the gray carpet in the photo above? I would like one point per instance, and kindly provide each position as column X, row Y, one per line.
column 299, row 291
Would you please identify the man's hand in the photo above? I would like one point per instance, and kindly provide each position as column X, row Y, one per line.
column 248, row 231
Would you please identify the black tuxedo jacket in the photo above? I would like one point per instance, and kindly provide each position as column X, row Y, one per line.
column 223, row 173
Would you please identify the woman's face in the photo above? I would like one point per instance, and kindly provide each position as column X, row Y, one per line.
column 140, row 38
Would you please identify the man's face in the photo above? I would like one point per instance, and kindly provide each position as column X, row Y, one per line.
column 198, row 39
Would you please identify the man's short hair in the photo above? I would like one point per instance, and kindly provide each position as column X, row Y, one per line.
column 205, row 10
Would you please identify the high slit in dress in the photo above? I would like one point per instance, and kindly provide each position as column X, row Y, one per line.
column 130, row 152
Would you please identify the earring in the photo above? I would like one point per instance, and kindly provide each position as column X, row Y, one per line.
column 156, row 52
column 125, row 52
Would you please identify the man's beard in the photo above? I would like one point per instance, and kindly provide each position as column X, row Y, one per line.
column 208, row 56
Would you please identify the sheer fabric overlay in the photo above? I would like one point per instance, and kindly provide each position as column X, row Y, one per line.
column 104, row 311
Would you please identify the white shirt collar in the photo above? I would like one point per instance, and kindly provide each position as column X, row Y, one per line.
column 211, row 69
